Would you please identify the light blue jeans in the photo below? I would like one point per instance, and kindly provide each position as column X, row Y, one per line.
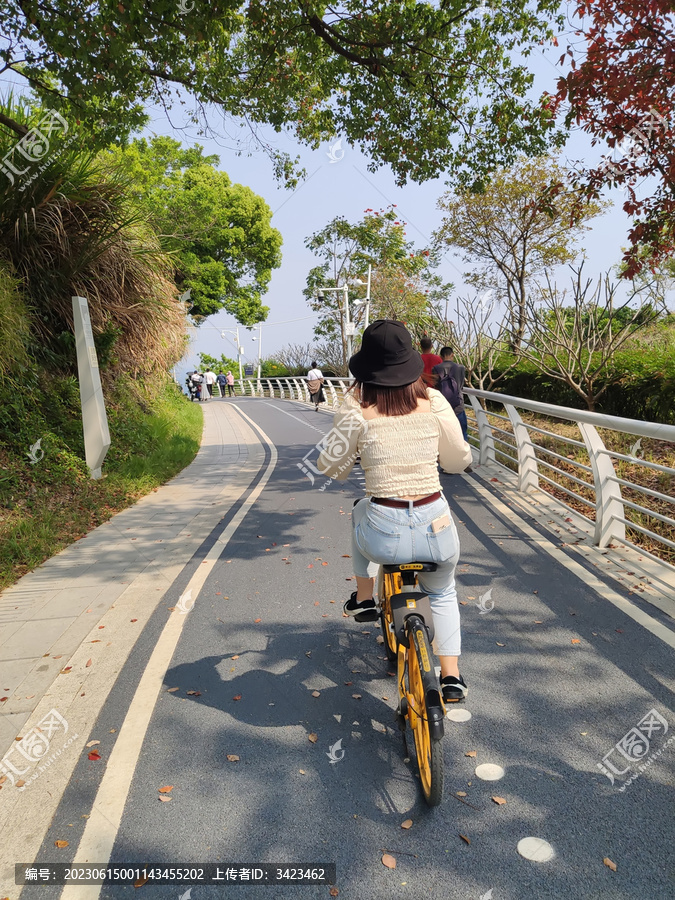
column 383, row 534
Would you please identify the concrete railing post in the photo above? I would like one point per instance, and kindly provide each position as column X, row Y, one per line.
column 528, row 470
column 333, row 395
column 487, row 444
column 608, row 500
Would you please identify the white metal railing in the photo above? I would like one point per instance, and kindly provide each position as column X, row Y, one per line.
column 520, row 443
column 602, row 484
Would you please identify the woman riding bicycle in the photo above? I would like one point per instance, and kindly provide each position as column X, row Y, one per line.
column 401, row 429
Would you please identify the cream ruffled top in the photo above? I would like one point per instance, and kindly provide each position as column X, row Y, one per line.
column 399, row 454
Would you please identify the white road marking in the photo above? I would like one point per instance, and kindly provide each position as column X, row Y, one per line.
column 103, row 824
column 297, row 418
column 642, row 618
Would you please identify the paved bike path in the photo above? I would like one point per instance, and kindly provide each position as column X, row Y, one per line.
column 557, row 676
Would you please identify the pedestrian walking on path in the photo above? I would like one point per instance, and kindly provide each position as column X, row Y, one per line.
column 315, row 385
column 400, row 428
column 451, row 377
column 210, row 380
column 230, row 384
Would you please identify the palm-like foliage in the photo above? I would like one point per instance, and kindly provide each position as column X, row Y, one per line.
column 74, row 230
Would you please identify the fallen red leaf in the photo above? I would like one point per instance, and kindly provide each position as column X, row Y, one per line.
column 237, row 697
column 166, row 789
column 87, row 664
column 94, row 755
column 257, row 620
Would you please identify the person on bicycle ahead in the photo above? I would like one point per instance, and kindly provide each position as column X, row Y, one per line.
column 401, row 429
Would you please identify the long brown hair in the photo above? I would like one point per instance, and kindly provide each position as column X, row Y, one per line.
column 391, row 401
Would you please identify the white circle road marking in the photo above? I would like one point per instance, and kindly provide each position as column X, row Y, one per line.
column 536, row 849
column 489, row 772
column 458, row 715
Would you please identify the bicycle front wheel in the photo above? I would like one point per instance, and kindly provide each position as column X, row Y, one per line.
column 429, row 751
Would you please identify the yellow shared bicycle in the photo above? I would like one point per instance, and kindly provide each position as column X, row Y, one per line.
column 408, row 629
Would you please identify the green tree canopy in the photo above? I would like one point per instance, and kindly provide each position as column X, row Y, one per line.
column 522, row 224
column 424, row 86
column 403, row 285
column 219, row 232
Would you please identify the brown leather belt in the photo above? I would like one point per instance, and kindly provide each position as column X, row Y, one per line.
column 404, row 504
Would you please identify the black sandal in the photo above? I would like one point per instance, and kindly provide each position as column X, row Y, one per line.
column 362, row 612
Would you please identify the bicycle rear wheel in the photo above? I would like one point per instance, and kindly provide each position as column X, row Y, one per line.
column 429, row 750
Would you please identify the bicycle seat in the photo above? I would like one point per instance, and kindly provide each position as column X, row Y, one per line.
column 411, row 567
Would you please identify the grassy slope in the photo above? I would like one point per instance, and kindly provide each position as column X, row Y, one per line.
column 46, row 506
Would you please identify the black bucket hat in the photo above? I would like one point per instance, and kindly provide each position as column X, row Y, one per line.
column 387, row 357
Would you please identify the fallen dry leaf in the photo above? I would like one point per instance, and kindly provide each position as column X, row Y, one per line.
column 172, row 690
column 87, row 664
column 236, row 656
column 538, row 622
column 193, row 693
column 302, row 771
column 164, row 799
column 462, row 603
column 500, row 801
column 500, row 645
column 610, row 865
column 324, row 563
column 461, row 793
column 237, row 697
column 380, row 639
column 407, row 824
column 346, row 556
column 333, row 892
column 470, row 753
column 349, row 682
column 20, row 783
column 66, row 670
column 576, row 641
column 257, row 620
column 94, row 755
column 92, row 743
column 141, row 881
column 60, row 844
column 134, row 620
column 316, row 693
column 313, row 737
column 463, row 836
column 166, row 789
column 356, row 696
column 316, row 603
column 310, row 566
column 389, row 861
column 232, row 757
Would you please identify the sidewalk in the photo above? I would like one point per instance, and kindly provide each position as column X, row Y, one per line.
column 134, row 556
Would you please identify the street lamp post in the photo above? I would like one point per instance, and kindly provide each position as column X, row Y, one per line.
column 348, row 327
column 259, row 340
column 367, row 300
column 240, row 349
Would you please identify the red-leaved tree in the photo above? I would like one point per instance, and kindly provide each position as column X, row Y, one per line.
column 621, row 90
